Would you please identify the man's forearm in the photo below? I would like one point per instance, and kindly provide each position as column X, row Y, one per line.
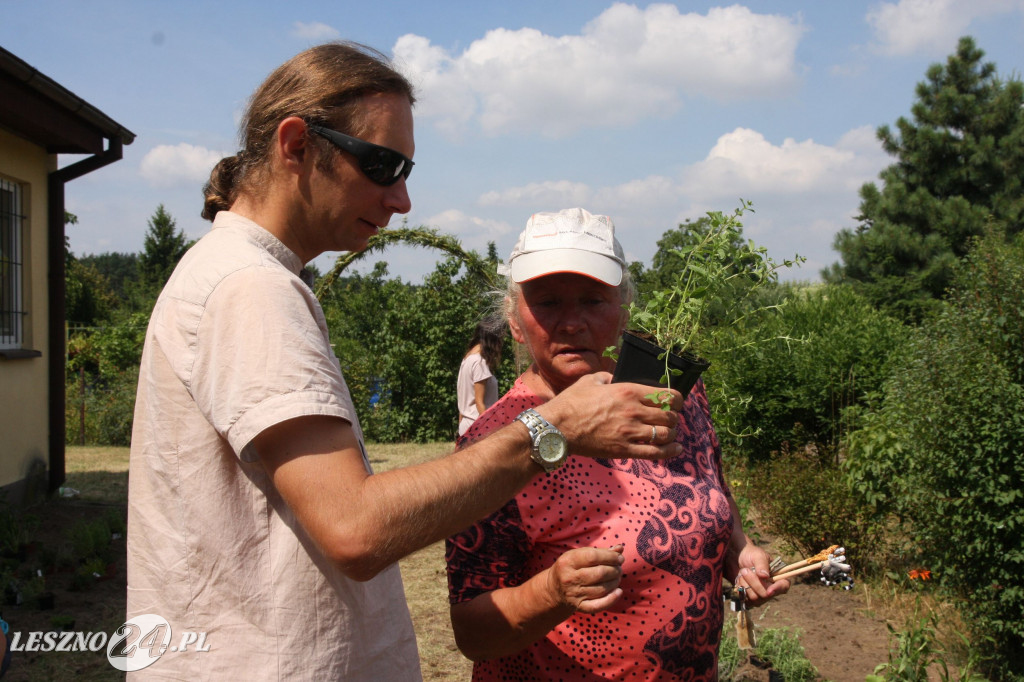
column 412, row 507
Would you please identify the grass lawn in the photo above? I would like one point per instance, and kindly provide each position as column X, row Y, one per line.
column 100, row 475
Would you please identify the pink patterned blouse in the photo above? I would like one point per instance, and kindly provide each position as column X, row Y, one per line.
column 672, row 516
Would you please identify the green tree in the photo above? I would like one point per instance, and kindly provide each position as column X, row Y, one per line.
column 121, row 271
column 960, row 164
column 944, row 456
column 164, row 246
column 87, row 296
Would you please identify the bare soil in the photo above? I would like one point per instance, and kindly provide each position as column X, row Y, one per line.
column 840, row 634
column 97, row 607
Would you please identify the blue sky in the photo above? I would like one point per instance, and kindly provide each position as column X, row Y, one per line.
column 651, row 113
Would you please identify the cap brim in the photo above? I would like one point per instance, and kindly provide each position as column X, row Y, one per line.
column 529, row 266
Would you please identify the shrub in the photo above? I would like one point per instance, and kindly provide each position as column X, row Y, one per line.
column 102, row 378
column 944, row 456
column 802, row 497
column 405, row 342
column 100, row 412
column 841, row 360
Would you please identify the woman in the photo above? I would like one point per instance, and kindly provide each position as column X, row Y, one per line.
column 477, row 386
column 603, row 569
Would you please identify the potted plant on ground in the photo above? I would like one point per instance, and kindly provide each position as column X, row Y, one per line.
column 712, row 286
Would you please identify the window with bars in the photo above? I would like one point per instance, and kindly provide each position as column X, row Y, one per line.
column 12, row 312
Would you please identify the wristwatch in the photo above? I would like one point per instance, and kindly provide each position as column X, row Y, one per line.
column 550, row 448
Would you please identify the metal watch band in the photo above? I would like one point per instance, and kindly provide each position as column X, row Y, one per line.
column 537, row 426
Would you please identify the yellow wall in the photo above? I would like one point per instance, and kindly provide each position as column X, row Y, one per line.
column 24, row 435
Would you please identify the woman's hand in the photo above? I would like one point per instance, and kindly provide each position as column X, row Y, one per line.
column 587, row 579
column 754, row 575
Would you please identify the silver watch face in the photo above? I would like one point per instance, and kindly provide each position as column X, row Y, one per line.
column 551, row 446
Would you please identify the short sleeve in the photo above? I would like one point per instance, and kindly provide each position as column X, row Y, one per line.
column 262, row 356
column 488, row 556
column 478, row 370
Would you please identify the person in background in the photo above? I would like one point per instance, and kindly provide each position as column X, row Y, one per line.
column 604, row 568
column 254, row 516
column 477, row 385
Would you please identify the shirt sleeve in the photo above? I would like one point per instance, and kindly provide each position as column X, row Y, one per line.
column 489, row 555
column 478, row 369
column 262, row 356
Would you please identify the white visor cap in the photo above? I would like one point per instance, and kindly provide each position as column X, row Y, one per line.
column 571, row 240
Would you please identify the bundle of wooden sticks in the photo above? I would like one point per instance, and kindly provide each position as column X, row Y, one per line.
column 834, row 570
column 831, row 561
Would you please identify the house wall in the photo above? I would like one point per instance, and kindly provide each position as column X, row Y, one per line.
column 24, row 394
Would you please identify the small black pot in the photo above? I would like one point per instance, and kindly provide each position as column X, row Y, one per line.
column 639, row 363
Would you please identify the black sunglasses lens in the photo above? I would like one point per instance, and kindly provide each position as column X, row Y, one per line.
column 384, row 166
column 381, row 165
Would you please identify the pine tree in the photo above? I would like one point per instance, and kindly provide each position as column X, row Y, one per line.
column 163, row 248
column 960, row 167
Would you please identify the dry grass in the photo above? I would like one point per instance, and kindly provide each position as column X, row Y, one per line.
column 100, row 474
column 426, row 583
column 908, row 604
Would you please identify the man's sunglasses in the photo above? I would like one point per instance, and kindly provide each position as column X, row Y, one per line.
column 381, row 165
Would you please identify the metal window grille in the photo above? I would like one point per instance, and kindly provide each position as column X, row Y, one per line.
column 12, row 312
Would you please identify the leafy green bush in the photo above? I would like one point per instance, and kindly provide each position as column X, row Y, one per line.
column 405, row 343
column 944, row 456
column 102, row 378
column 802, row 497
column 102, row 410
column 804, row 389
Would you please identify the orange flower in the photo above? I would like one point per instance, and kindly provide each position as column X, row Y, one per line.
column 922, row 573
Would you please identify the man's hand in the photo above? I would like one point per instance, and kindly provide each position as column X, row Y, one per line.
column 615, row 421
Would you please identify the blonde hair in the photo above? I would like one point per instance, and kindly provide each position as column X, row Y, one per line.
column 322, row 85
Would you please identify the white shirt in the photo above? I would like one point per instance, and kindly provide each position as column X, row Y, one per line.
column 236, row 344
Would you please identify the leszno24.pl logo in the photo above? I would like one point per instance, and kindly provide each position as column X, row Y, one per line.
column 135, row 645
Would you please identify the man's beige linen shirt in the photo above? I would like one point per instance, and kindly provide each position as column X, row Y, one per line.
column 236, row 344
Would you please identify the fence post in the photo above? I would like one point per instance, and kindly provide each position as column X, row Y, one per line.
column 81, row 406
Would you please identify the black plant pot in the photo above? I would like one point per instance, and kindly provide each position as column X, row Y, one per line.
column 639, row 363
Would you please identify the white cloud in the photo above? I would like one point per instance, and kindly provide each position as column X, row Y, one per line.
column 743, row 163
column 561, row 193
column 626, row 65
column 314, row 31
column 475, row 230
column 930, row 26
column 803, row 193
column 181, row 164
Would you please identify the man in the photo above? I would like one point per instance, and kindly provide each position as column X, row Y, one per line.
column 253, row 515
